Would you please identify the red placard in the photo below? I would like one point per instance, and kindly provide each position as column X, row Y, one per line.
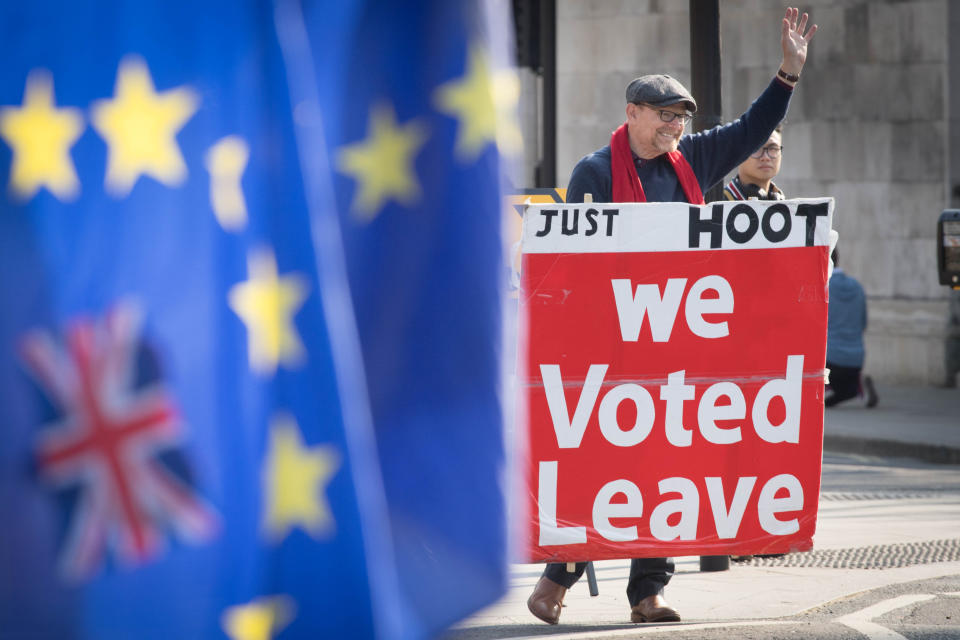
column 671, row 377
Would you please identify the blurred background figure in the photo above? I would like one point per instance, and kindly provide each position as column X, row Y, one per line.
column 847, row 320
column 755, row 175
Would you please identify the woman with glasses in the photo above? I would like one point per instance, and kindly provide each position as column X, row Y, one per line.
column 755, row 175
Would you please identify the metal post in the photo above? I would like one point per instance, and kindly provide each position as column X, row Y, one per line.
column 705, row 71
column 705, row 76
column 592, row 580
column 547, row 174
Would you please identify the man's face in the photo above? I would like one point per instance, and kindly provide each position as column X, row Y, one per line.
column 757, row 170
column 650, row 136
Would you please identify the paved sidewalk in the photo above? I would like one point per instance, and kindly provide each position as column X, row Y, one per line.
column 901, row 515
column 918, row 422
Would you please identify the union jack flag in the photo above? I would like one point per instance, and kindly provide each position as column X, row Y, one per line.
column 110, row 440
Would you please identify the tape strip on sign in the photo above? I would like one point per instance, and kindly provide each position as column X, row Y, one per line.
column 670, row 226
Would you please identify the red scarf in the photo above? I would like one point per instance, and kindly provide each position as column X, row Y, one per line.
column 626, row 182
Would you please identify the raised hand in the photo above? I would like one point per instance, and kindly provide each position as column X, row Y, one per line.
column 794, row 41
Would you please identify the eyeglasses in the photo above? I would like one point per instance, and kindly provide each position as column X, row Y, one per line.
column 771, row 150
column 669, row 116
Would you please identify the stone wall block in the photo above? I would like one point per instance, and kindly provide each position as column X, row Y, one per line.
column 673, row 41
column 919, row 152
column 578, row 96
column 808, row 188
column 844, row 145
column 877, row 151
column 904, row 340
column 625, row 43
column 798, row 153
column 831, row 42
column 879, row 91
column 927, row 39
column 742, row 86
column 853, row 150
column 866, row 258
column 574, row 141
column 826, row 148
column 862, row 210
column 924, row 83
column 917, row 206
column 826, row 95
column 908, row 31
column 915, row 273
column 904, row 359
column 855, row 35
column 576, row 45
column 567, row 9
column 887, row 24
column 757, row 5
column 752, row 36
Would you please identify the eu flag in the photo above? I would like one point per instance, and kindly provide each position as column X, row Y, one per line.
column 421, row 126
column 249, row 347
column 186, row 448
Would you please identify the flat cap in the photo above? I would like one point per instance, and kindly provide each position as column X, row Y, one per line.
column 659, row 90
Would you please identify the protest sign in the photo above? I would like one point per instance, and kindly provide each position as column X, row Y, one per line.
column 514, row 205
column 671, row 369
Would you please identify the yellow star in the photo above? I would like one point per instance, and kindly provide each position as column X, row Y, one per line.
column 295, row 478
column 260, row 619
column 267, row 303
column 382, row 164
column 485, row 103
column 140, row 128
column 226, row 160
column 41, row 136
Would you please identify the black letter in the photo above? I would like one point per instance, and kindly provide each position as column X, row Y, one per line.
column 713, row 226
column 563, row 226
column 548, row 215
column 610, row 213
column 742, row 236
column 768, row 232
column 811, row 212
column 591, row 216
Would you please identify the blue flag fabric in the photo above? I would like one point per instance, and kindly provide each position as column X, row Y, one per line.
column 183, row 450
column 419, row 127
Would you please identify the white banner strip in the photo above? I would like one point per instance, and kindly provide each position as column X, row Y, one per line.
column 676, row 226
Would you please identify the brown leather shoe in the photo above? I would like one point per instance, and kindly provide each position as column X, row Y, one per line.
column 546, row 600
column 653, row 609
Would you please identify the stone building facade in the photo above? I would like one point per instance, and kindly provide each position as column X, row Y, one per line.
column 875, row 123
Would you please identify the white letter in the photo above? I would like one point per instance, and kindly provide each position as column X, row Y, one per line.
column 603, row 510
column 675, row 392
column 550, row 533
column 789, row 390
column 697, row 306
column 708, row 413
column 570, row 432
column 729, row 523
column 768, row 506
column 631, row 307
column 687, row 505
column 608, row 415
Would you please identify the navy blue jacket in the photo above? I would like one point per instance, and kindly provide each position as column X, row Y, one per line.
column 712, row 154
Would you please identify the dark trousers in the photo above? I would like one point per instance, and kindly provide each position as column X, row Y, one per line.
column 648, row 576
column 844, row 384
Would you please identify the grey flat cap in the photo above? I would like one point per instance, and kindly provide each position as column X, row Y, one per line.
column 659, row 90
